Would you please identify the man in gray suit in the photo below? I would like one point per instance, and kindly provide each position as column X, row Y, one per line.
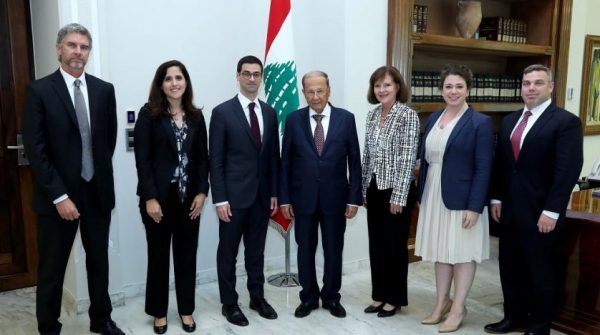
column 244, row 162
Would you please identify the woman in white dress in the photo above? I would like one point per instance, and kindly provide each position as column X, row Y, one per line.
column 456, row 162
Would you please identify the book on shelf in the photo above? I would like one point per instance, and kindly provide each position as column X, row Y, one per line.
column 419, row 18
column 498, row 28
column 485, row 87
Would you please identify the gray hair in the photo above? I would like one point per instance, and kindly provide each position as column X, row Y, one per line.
column 538, row 67
column 72, row 28
column 315, row 74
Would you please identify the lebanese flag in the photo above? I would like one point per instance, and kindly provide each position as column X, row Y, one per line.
column 281, row 84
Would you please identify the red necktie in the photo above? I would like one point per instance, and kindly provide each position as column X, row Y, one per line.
column 254, row 128
column 515, row 140
column 319, row 133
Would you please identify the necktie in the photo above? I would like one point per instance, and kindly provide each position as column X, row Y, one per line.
column 87, row 160
column 515, row 140
column 319, row 133
column 254, row 128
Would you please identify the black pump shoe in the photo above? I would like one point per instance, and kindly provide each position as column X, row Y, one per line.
column 160, row 329
column 188, row 328
column 374, row 309
column 384, row 314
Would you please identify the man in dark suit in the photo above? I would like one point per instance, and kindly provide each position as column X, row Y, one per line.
column 320, row 147
column 538, row 160
column 244, row 164
column 70, row 130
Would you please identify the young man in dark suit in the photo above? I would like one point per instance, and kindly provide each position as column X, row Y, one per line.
column 244, row 163
column 70, row 130
column 320, row 150
column 538, row 161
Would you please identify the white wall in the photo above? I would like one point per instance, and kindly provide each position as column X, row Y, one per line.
column 131, row 38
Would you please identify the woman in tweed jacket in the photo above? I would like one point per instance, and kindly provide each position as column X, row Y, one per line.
column 390, row 150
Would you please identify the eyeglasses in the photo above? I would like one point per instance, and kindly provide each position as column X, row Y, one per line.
column 318, row 92
column 247, row 75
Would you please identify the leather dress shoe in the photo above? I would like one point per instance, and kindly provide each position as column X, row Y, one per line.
column 505, row 326
column 263, row 308
column 234, row 314
column 384, row 313
column 160, row 329
column 336, row 309
column 374, row 309
column 304, row 309
column 106, row 327
column 189, row 328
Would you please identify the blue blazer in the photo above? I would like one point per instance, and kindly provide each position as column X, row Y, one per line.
column 309, row 182
column 467, row 163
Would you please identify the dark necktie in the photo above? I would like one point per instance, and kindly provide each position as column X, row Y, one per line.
column 254, row 128
column 515, row 140
column 319, row 133
column 87, row 160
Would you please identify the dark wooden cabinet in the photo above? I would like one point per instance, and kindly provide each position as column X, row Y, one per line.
column 578, row 267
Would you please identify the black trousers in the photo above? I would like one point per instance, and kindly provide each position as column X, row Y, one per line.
column 388, row 249
column 250, row 224
column 333, row 227
column 528, row 276
column 55, row 241
column 175, row 226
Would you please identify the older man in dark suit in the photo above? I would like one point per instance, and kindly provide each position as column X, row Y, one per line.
column 70, row 130
column 320, row 148
column 538, row 161
column 244, row 152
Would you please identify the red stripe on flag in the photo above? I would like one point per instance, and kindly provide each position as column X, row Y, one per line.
column 277, row 13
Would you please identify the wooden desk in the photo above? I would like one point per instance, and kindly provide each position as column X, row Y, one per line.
column 578, row 267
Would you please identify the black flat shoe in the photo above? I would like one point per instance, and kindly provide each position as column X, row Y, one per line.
column 336, row 309
column 374, row 309
column 234, row 314
column 304, row 309
column 159, row 329
column 505, row 326
column 384, row 314
column 190, row 328
column 263, row 308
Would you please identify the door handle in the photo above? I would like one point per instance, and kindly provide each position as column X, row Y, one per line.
column 15, row 147
column 21, row 156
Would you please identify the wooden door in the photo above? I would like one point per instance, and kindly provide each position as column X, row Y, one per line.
column 18, row 227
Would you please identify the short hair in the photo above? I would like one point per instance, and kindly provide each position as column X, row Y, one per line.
column 72, row 28
column 403, row 90
column 538, row 67
column 249, row 60
column 157, row 100
column 315, row 74
column 458, row 70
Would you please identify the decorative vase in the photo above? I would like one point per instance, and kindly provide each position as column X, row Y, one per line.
column 468, row 17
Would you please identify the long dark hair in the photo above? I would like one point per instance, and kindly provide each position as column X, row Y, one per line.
column 157, row 101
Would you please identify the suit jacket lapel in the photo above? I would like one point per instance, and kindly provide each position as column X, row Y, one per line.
column 266, row 121
column 466, row 117
column 537, row 126
column 92, row 90
column 238, row 110
column 307, row 128
column 60, row 87
column 334, row 126
column 168, row 128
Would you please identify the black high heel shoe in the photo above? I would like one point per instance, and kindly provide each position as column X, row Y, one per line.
column 160, row 329
column 188, row 328
column 384, row 314
column 374, row 309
